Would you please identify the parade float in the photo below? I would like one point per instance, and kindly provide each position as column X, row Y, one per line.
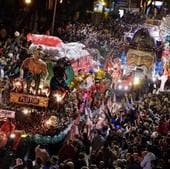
column 140, row 59
column 165, row 33
column 140, row 64
column 41, row 100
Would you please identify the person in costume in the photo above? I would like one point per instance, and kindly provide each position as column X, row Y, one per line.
column 34, row 69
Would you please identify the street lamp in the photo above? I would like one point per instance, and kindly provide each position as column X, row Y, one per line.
column 54, row 15
column 28, row 2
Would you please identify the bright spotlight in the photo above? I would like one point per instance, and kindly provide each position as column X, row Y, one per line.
column 136, row 81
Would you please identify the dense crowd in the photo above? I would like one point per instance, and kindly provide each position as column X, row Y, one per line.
column 13, row 50
column 130, row 134
column 99, row 39
column 105, row 36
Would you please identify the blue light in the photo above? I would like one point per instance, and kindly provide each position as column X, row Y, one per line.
column 123, row 57
column 158, row 67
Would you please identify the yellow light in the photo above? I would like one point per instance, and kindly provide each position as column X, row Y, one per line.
column 25, row 111
column 103, row 2
column 136, row 81
column 24, row 135
column 28, row 2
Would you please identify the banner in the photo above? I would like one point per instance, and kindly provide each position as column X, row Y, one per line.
column 7, row 114
column 29, row 100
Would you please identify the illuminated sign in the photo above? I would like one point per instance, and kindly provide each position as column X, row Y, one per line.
column 7, row 114
column 28, row 100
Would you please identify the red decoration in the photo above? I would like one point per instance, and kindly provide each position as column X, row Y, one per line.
column 44, row 40
column 7, row 127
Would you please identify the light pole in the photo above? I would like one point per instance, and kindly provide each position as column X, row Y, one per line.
column 129, row 5
column 54, row 16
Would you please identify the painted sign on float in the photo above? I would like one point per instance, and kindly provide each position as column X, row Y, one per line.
column 7, row 114
column 28, row 100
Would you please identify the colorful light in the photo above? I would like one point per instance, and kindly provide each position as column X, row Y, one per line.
column 24, row 135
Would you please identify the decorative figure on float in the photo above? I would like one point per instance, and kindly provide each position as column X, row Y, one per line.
column 113, row 67
column 116, row 68
column 63, row 75
column 34, row 69
column 165, row 76
column 141, row 53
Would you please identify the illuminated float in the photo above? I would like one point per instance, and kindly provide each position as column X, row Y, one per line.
column 38, row 93
column 165, row 33
column 140, row 59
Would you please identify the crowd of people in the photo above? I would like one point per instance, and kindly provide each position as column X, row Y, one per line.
column 130, row 134
column 99, row 39
column 13, row 50
column 103, row 37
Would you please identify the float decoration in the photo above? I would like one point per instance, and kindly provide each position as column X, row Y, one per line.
column 31, row 100
column 40, row 139
column 30, row 88
column 63, row 74
column 3, row 139
column 44, row 40
column 33, row 90
column 165, row 27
